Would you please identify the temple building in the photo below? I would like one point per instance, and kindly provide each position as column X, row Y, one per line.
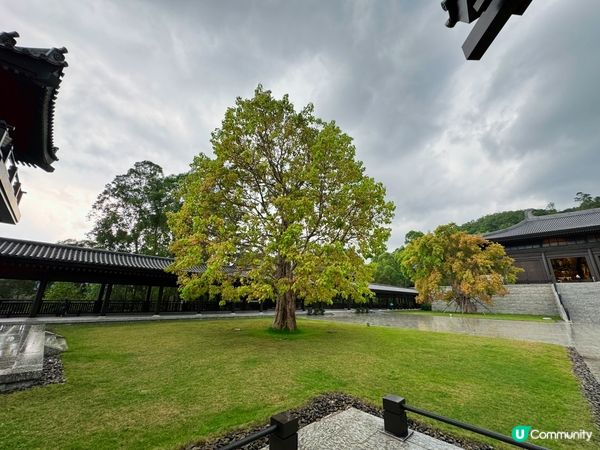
column 556, row 248
column 29, row 82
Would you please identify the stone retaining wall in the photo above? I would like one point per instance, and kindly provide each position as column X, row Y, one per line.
column 535, row 299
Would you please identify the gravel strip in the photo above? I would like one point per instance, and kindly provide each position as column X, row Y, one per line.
column 589, row 384
column 324, row 405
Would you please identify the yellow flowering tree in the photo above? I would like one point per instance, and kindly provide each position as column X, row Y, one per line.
column 454, row 266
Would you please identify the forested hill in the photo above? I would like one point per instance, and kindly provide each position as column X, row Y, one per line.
column 504, row 219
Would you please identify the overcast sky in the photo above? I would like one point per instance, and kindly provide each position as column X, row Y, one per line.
column 451, row 140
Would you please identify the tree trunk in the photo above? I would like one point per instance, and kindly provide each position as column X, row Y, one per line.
column 285, row 313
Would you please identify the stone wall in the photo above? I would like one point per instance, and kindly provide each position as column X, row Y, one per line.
column 535, row 299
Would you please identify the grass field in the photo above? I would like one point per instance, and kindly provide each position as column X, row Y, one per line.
column 165, row 384
column 494, row 316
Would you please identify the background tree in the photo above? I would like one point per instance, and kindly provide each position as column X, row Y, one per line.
column 388, row 270
column 586, row 201
column 473, row 268
column 505, row 219
column 64, row 290
column 130, row 214
column 283, row 211
column 17, row 289
column 411, row 236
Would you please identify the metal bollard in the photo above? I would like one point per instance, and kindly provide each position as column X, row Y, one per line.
column 286, row 435
column 394, row 416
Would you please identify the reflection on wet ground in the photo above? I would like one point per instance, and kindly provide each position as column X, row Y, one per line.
column 553, row 333
column 584, row 337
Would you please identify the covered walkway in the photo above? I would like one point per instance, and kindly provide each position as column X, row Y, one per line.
column 46, row 263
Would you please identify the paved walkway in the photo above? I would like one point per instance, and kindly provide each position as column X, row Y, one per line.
column 356, row 430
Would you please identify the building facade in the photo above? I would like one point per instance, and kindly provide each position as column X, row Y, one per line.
column 556, row 248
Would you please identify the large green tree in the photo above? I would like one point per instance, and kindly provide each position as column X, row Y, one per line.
column 388, row 270
column 283, row 211
column 130, row 214
column 454, row 266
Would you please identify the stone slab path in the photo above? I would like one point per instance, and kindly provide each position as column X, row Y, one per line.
column 353, row 429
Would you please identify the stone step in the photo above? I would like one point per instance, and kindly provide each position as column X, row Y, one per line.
column 582, row 300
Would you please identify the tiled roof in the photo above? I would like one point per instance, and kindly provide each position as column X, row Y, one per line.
column 388, row 288
column 43, row 251
column 588, row 219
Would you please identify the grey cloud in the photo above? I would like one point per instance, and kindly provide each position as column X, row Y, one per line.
column 451, row 140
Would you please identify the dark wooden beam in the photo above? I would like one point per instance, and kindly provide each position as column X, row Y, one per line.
column 158, row 301
column 39, row 298
column 489, row 24
column 106, row 302
column 98, row 302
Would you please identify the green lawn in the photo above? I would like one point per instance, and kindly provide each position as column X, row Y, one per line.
column 164, row 384
column 493, row 316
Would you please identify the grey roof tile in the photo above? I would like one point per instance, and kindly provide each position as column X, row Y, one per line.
column 15, row 248
column 588, row 219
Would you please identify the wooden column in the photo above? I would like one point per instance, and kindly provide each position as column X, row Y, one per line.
column 148, row 298
column 98, row 302
column 594, row 269
column 547, row 269
column 158, row 301
column 39, row 298
column 106, row 301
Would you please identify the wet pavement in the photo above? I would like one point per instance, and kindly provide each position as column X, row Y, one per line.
column 585, row 337
column 551, row 332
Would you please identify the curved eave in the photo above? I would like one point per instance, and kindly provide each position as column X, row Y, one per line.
column 37, row 74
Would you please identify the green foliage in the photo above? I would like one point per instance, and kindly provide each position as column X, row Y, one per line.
column 586, row 201
column 284, row 207
column 412, row 235
column 388, row 269
column 17, row 289
column 454, row 266
column 130, row 214
column 493, row 222
column 505, row 219
column 63, row 290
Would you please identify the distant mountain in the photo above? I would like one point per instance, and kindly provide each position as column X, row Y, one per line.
column 505, row 219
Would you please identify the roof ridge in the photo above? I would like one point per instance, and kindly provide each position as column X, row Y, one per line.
column 579, row 212
column 76, row 247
